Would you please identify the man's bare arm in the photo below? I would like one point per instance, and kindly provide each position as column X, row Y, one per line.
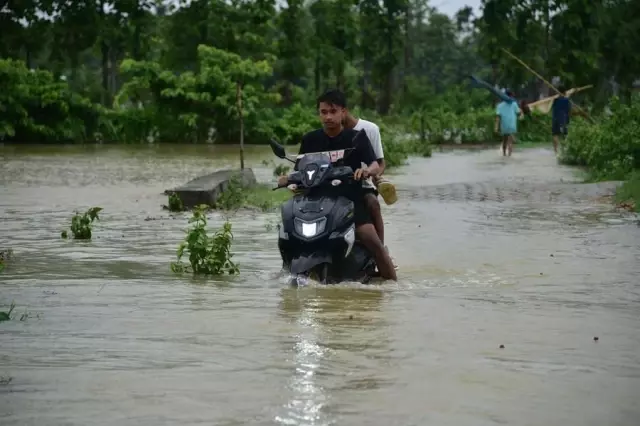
column 374, row 169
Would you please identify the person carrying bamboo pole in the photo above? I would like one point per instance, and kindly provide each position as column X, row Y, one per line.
column 507, row 122
column 560, row 114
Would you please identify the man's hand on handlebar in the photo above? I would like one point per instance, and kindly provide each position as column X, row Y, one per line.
column 361, row 174
column 282, row 180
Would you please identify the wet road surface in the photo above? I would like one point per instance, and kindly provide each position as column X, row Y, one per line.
column 492, row 251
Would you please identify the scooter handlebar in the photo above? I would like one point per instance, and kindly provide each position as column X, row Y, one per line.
column 344, row 173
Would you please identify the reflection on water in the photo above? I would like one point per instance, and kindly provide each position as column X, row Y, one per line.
column 324, row 350
column 491, row 252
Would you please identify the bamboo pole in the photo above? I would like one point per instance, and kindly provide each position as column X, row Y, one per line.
column 552, row 98
column 546, row 82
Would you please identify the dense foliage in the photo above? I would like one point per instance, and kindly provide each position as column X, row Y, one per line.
column 139, row 70
column 610, row 148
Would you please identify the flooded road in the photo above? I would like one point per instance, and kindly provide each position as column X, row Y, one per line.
column 491, row 252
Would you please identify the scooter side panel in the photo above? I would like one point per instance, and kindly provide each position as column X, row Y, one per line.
column 354, row 265
column 287, row 215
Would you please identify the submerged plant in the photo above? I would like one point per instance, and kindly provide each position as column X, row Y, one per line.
column 234, row 196
column 6, row 315
column 208, row 255
column 81, row 224
column 175, row 203
column 281, row 170
column 5, row 255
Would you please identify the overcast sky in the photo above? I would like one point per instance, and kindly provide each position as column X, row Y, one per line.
column 450, row 7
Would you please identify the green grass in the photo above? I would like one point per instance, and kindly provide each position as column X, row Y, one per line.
column 534, row 144
column 262, row 196
column 628, row 194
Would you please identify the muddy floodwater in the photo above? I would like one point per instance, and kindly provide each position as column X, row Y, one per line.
column 491, row 251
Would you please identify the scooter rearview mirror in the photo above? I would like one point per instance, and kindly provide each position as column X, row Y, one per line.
column 278, row 149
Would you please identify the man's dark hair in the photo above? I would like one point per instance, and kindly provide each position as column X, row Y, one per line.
column 510, row 93
column 562, row 89
column 332, row 97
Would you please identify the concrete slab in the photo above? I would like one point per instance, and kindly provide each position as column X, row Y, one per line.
column 206, row 189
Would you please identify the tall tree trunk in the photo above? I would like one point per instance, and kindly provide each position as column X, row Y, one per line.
column 547, row 50
column 316, row 71
column 365, row 97
column 136, row 43
column 340, row 79
column 407, row 49
column 241, row 118
column 387, row 96
column 28, row 57
column 104, row 49
column 494, row 82
column 287, row 94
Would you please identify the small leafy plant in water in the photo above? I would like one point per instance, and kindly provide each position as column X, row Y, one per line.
column 260, row 196
column 175, row 203
column 6, row 315
column 208, row 255
column 5, row 255
column 81, row 224
column 280, row 170
column 234, row 195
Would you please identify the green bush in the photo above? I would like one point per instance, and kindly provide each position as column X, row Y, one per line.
column 5, row 256
column 628, row 195
column 442, row 125
column 208, row 255
column 294, row 122
column 35, row 107
column 535, row 128
column 82, row 224
column 609, row 148
column 260, row 196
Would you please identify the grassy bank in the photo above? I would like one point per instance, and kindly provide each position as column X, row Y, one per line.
column 260, row 197
column 264, row 198
column 609, row 149
column 628, row 195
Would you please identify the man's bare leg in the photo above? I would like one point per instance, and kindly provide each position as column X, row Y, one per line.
column 510, row 144
column 369, row 238
column 373, row 205
column 504, row 146
column 555, row 143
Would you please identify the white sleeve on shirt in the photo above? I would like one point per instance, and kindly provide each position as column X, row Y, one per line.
column 373, row 133
column 376, row 141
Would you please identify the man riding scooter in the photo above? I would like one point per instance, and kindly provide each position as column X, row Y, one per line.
column 333, row 136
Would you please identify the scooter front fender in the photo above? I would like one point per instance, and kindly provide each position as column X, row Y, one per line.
column 305, row 263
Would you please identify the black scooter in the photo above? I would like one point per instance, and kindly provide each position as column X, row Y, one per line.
column 317, row 237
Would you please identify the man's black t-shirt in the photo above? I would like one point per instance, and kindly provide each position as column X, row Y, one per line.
column 319, row 141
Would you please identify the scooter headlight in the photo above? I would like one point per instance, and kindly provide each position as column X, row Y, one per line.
column 310, row 229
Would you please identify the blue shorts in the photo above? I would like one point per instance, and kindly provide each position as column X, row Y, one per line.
column 559, row 128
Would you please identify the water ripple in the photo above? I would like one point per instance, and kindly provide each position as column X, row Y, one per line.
column 492, row 252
